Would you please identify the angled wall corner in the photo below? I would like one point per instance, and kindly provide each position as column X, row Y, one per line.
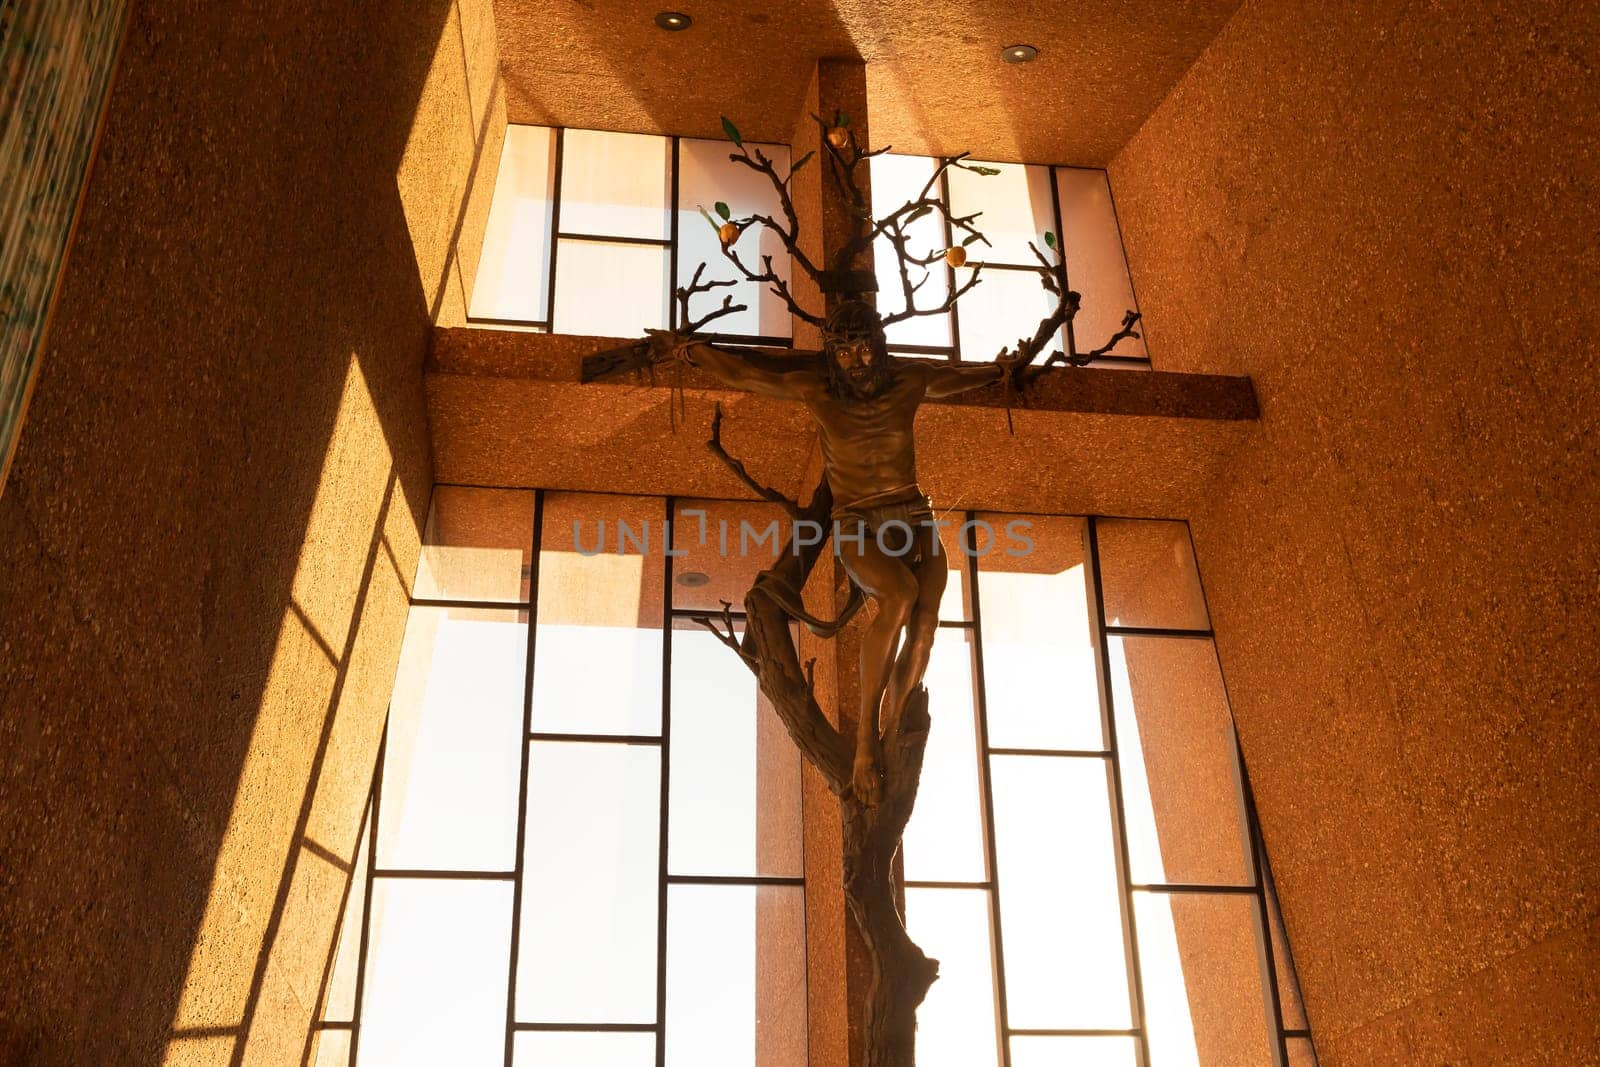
column 1387, row 223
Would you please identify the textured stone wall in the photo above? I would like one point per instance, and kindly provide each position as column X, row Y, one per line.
column 1386, row 214
column 213, row 516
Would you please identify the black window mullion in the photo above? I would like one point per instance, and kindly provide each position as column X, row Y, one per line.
column 954, row 314
column 666, row 772
column 672, row 244
column 1102, row 657
column 555, row 228
column 525, row 743
column 981, row 718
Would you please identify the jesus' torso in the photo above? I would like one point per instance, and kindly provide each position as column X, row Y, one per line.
column 869, row 443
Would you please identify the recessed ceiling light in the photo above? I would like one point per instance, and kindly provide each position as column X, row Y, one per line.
column 1018, row 53
column 673, row 20
column 693, row 579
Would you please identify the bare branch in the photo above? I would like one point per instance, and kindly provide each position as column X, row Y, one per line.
column 695, row 288
column 790, row 235
column 726, row 634
column 740, row 472
column 768, row 275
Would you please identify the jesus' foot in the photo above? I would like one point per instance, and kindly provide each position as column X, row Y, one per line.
column 866, row 777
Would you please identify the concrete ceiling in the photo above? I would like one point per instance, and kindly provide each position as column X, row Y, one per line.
column 936, row 82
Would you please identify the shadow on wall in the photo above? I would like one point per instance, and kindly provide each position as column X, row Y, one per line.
column 224, row 471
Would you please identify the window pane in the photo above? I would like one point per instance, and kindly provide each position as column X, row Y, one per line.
column 725, row 544
column 437, row 961
column 615, row 184
column 944, row 839
column 476, row 545
column 736, row 976
column 734, row 807
column 1074, row 1052
column 452, row 764
column 1293, row 1008
column 339, row 1000
column 597, row 655
column 1148, row 575
column 333, row 1049
column 1180, row 781
column 1016, row 209
column 1202, row 981
column 1301, row 1053
column 956, row 1024
column 1006, row 306
column 705, row 176
column 592, row 870
column 1096, row 265
column 513, row 279
column 606, row 289
column 559, row 1049
column 1038, row 661
column 1060, row 906
column 895, row 181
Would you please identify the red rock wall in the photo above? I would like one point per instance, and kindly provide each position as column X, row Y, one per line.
column 1386, row 214
column 207, row 535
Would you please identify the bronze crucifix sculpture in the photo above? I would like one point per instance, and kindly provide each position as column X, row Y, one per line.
column 863, row 401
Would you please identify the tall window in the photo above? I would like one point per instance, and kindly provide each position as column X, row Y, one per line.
column 588, row 835
column 1081, row 858
column 584, row 844
column 590, row 233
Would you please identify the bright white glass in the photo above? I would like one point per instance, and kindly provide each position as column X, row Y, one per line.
column 588, row 950
column 451, row 769
column 736, row 991
column 944, row 840
column 339, row 1001
column 1038, row 662
column 1074, row 1052
column 1005, row 307
column 1060, row 906
column 1016, row 209
column 734, row 807
column 615, row 184
column 595, row 669
column 437, row 961
column 607, row 289
column 705, row 176
column 1203, row 993
column 955, row 605
column 897, row 180
column 1097, row 267
column 562, row 1049
column 475, row 545
column 513, row 268
column 956, row 1024
column 333, row 1049
column 1180, row 784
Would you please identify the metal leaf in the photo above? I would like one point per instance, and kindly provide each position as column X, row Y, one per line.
column 732, row 131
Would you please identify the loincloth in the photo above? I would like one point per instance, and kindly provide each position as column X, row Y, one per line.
column 892, row 519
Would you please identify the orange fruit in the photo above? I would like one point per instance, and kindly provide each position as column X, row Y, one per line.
column 956, row 257
column 728, row 232
column 838, row 137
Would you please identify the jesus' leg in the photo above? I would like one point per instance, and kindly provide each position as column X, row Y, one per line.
column 893, row 589
column 931, row 574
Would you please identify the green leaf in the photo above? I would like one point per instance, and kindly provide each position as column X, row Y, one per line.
column 709, row 220
column 842, row 119
column 732, row 131
column 973, row 238
column 987, row 172
column 1049, row 239
column 722, row 209
column 802, row 161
